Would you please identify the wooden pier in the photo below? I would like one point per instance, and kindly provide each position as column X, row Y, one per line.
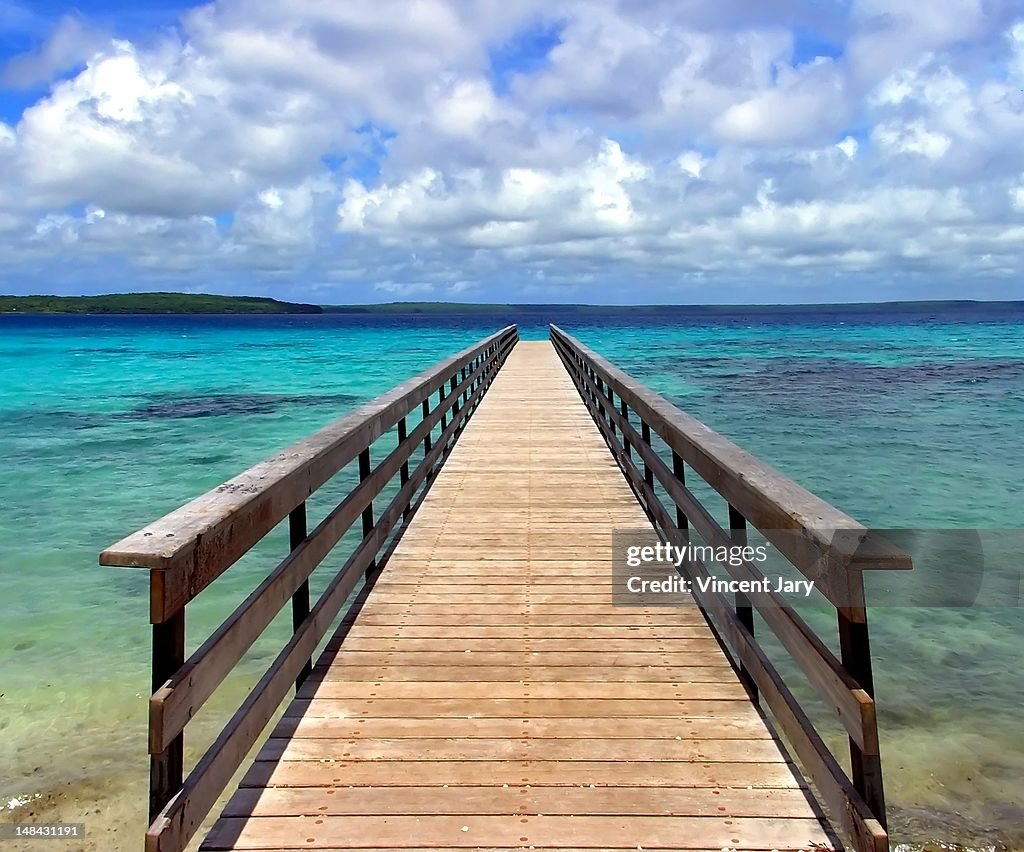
column 481, row 690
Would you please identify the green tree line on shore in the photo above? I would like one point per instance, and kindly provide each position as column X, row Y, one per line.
column 152, row 303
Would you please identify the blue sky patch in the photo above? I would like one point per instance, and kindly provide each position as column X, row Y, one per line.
column 525, row 53
column 809, row 45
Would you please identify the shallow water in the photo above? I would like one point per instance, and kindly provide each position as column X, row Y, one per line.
column 899, row 417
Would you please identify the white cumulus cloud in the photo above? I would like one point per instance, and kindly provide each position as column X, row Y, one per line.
column 607, row 148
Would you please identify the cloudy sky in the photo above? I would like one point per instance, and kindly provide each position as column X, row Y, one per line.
column 615, row 151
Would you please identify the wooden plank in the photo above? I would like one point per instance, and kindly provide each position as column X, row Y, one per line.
column 473, row 597
column 442, row 708
column 552, row 552
column 471, row 831
column 513, row 658
column 496, row 690
column 487, row 540
column 523, row 799
column 636, row 727
column 664, row 749
column 721, row 673
column 542, row 610
column 400, row 617
column 519, row 848
column 528, row 644
column 652, row 633
column 553, row 579
column 418, row 773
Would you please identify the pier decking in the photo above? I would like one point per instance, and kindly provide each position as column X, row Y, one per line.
column 483, row 692
column 488, row 680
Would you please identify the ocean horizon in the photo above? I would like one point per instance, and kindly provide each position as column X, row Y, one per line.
column 902, row 416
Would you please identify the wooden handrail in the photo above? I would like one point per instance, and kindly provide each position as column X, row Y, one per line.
column 181, row 697
column 186, row 550
column 819, row 540
column 196, row 543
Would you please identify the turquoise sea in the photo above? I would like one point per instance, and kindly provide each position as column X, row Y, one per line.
column 900, row 416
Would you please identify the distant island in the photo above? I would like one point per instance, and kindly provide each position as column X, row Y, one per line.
column 198, row 303
column 151, row 303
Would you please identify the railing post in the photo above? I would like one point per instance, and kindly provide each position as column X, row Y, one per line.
column 679, row 470
column 403, row 476
column 645, row 433
column 364, row 472
column 485, row 374
column 855, row 650
column 482, row 379
column 426, row 414
column 473, row 385
column 440, row 401
column 744, row 610
column 166, row 769
column 609, row 395
column 297, row 531
column 624, row 411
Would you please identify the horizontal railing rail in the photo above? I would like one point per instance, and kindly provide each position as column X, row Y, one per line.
column 188, row 549
column 820, row 541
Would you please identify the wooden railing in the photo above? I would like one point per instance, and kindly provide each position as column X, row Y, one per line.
column 821, row 542
column 191, row 547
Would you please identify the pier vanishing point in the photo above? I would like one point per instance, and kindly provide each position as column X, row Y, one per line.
column 466, row 681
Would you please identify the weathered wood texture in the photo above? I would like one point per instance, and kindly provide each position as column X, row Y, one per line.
column 488, row 695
